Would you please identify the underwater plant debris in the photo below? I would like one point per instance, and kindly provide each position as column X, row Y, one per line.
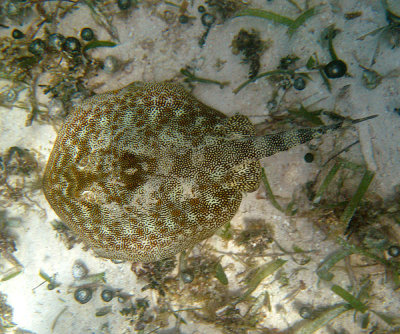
column 306, row 241
column 251, row 47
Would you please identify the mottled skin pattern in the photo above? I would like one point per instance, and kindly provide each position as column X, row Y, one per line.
column 146, row 171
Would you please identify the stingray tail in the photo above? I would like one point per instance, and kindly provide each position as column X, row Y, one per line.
column 283, row 141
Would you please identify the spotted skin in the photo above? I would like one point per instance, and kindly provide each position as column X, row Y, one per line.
column 146, row 171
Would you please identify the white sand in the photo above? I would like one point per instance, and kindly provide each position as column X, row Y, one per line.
column 157, row 51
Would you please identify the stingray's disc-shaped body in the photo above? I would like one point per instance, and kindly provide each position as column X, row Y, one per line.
column 146, row 171
column 137, row 172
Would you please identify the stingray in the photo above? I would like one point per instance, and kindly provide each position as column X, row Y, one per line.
column 144, row 172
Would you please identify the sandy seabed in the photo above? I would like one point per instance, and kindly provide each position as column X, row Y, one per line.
column 153, row 48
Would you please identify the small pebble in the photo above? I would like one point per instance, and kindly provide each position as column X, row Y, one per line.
column 17, row 34
column 183, row 19
column 299, row 83
column 110, row 64
column 371, row 79
column 51, row 286
column 207, row 19
column 83, row 295
column 56, row 108
column 101, row 312
column 37, row 47
column 107, row 295
column 308, row 157
column 187, row 276
column 72, row 45
column 394, row 251
column 79, row 270
column 306, row 312
column 87, row 34
column 335, row 69
column 124, row 4
column 11, row 96
column 56, row 42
